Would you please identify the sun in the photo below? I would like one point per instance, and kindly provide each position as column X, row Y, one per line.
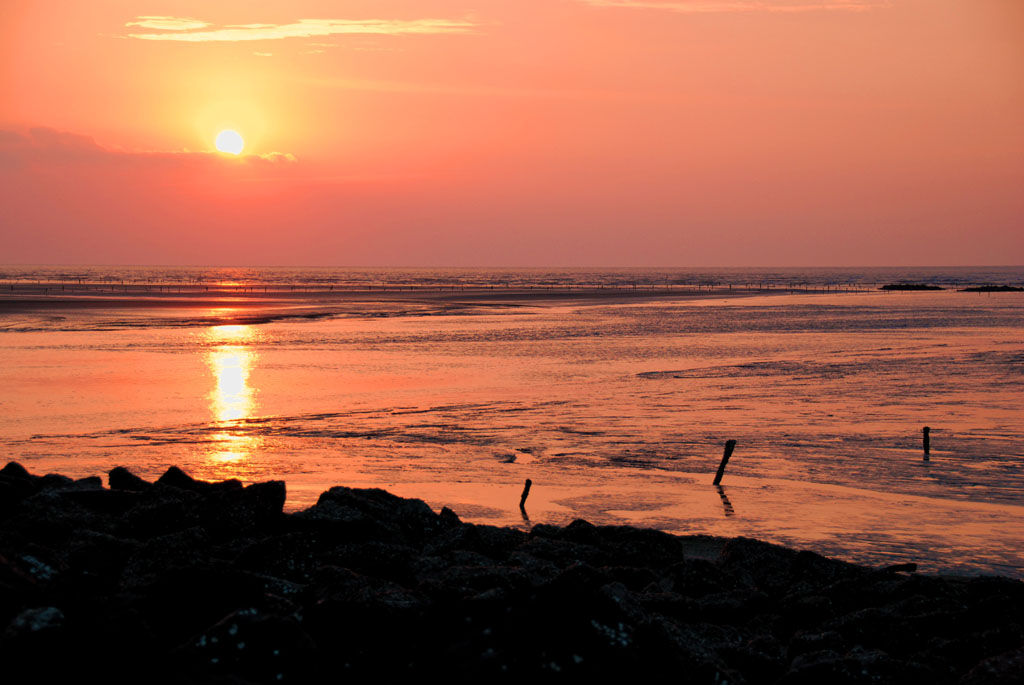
column 230, row 141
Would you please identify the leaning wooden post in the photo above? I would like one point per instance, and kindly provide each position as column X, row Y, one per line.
column 526, row 493
column 927, row 442
column 729, row 445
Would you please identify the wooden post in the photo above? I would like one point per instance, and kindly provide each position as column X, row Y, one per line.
column 526, row 493
column 729, row 445
column 927, row 442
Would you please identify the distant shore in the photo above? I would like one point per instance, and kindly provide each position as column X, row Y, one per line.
column 39, row 296
column 212, row 581
column 256, row 306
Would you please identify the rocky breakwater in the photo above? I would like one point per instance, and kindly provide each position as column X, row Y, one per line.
column 187, row 581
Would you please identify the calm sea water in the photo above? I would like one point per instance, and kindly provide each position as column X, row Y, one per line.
column 614, row 402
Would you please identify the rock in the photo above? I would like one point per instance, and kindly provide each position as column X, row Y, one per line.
column 104, row 501
column 182, row 600
column 403, row 520
column 54, row 481
column 176, row 478
column 35, row 645
column 807, row 643
column 563, row 553
column 493, row 543
column 294, row 556
column 467, row 581
column 15, row 470
column 772, row 568
column 183, row 549
column 366, row 585
column 121, row 478
column 161, row 510
column 449, row 518
column 99, row 555
column 1005, row 669
column 697, row 577
column 230, row 512
column 88, row 483
column 37, row 620
column 252, row 644
column 378, row 559
column 13, row 491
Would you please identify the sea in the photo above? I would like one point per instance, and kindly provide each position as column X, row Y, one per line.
column 612, row 390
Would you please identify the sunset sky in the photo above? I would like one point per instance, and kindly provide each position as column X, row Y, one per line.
column 513, row 132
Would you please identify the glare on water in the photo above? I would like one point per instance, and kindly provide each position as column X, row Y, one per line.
column 232, row 399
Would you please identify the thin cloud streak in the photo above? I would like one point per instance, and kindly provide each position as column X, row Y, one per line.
column 47, row 146
column 309, row 28
column 724, row 6
column 161, row 23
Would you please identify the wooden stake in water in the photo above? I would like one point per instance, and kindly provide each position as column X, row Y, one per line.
column 729, row 445
column 927, row 442
column 526, row 493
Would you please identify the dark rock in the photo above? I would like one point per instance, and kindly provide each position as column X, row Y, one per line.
column 772, row 568
column 251, row 644
column 806, row 643
column 963, row 651
column 294, row 556
column 579, row 531
column 379, row 559
column 54, row 481
column 121, row 478
column 51, row 515
column 88, row 483
column 36, row 620
column 12, row 491
column 160, row 511
column 377, row 514
column 494, row 543
column 633, row 577
column 858, row 665
column 564, row 553
column 697, row 577
column 104, row 501
column 182, row 549
column 449, row 518
column 183, row 599
column 228, row 512
column 99, row 555
column 464, row 581
column 1005, row 669
column 33, row 646
column 15, row 470
column 176, row 478
column 17, row 589
column 641, row 546
column 365, row 585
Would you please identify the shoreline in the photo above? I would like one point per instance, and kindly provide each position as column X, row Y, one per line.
column 38, row 297
column 214, row 580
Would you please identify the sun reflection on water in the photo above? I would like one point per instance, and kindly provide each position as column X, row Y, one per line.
column 232, row 400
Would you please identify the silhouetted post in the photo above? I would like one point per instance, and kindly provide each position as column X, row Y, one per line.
column 927, row 442
column 729, row 445
column 526, row 493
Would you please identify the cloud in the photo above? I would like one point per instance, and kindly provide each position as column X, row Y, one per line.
column 46, row 148
column 309, row 28
column 160, row 23
column 719, row 6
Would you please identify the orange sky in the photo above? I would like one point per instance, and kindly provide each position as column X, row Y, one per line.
column 513, row 132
